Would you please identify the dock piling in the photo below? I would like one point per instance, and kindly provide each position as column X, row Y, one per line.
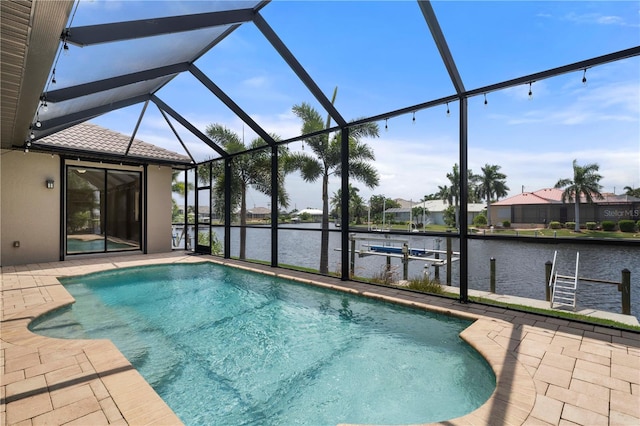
column 625, row 288
column 547, row 273
column 448, row 260
column 492, row 280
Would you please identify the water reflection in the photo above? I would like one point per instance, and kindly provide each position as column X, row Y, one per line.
column 520, row 266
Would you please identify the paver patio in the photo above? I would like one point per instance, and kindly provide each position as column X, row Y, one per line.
column 548, row 370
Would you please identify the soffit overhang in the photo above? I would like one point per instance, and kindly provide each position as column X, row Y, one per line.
column 30, row 40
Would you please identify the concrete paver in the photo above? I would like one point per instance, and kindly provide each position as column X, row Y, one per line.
column 549, row 371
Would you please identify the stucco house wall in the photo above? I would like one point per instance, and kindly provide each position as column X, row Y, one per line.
column 30, row 212
column 159, row 206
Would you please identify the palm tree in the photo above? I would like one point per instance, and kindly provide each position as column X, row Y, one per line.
column 491, row 183
column 356, row 204
column 420, row 212
column 178, row 187
column 326, row 161
column 634, row 192
column 357, row 208
column 252, row 169
column 444, row 193
column 585, row 183
column 454, row 190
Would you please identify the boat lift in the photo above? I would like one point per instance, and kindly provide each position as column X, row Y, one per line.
column 399, row 248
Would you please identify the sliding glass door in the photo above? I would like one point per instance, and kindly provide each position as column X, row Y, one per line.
column 102, row 210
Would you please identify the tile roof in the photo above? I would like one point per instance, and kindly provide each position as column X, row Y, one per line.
column 554, row 196
column 526, row 198
column 551, row 194
column 94, row 138
column 609, row 198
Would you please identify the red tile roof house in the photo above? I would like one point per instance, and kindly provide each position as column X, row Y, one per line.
column 545, row 205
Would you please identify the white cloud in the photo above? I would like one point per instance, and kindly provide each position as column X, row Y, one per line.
column 598, row 19
column 537, row 170
column 258, row 82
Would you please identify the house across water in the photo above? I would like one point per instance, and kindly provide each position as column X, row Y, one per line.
column 545, row 205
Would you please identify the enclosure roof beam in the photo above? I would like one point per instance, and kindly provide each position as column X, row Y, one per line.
column 113, row 82
column 553, row 72
column 297, row 68
column 175, row 133
column 197, row 73
column 441, row 43
column 180, row 119
column 119, row 31
column 564, row 69
column 56, row 124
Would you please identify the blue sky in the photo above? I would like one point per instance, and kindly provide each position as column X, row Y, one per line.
column 381, row 57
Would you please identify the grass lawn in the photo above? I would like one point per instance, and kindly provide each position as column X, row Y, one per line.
column 561, row 233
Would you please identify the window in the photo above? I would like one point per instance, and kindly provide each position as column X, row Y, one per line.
column 102, row 210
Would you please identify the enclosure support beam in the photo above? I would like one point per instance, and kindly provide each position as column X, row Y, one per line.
column 186, row 206
column 227, row 207
column 187, row 125
column 441, row 43
column 119, row 31
column 454, row 75
column 63, row 205
column 297, row 68
column 464, row 209
column 145, row 230
column 229, row 103
column 135, row 129
column 274, row 205
column 344, row 204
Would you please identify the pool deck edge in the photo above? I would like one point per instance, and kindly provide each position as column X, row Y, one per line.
column 548, row 370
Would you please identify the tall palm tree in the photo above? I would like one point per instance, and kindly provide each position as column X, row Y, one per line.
column 454, row 190
column 252, row 169
column 585, row 183
column 178, row 187
column 325, row 160
column 491, row 183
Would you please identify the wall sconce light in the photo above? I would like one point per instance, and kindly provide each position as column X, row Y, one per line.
column 49, row 183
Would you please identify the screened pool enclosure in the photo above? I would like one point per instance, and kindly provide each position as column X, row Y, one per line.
column 296, row 105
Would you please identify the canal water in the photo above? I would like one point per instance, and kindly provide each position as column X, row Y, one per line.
column 520, row 266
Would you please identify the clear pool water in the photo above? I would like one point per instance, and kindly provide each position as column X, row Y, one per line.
column 229, row 347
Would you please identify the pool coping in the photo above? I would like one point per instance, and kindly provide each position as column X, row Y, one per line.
column 547, row 369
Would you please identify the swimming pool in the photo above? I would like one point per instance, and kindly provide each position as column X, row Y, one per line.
column 225, row 346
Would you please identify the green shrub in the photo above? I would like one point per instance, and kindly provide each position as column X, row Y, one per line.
column 554, row 224
column 608, row 225
column 426, row 285
column 216, row 244
column 627, row 225
column 591, row 226
column 570, row 225
column 506, row 223
column 480, row 220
